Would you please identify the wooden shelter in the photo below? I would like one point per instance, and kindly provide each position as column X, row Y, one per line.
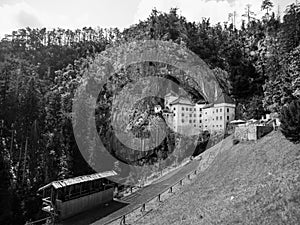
column 66, row 198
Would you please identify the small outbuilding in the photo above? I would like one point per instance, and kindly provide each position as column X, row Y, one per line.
column 66, row 198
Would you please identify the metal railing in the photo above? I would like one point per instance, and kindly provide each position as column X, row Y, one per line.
column 44, row 221
column 122, row 218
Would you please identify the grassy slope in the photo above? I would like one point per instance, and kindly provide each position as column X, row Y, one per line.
column 249, row 183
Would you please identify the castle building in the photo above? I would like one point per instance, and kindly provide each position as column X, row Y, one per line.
column 219, row 115
column 185, row 117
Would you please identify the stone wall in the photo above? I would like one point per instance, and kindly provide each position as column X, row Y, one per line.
column 251, row 132
column 241, row 133
column 263, row 130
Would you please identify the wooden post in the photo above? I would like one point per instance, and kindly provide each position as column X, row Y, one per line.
column 158, row 198
column 90, row 186
column 80, row 189
column 180, row 182
column 143, row 208
column 123, row 222
column 189, row 176
column 171, row 190
column 69, row 194
column 51, row 195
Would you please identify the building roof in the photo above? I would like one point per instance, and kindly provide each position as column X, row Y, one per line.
column 167, row 111
column 80, row 179
column 171, row 93
column 208, row 106
column 201, row 102
column 225, row 99
column 182, row 101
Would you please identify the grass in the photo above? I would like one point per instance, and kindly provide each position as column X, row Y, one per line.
column 248, row 183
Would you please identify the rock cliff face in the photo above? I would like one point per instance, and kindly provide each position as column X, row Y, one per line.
column 125, row 107
column 132, row 117
column 132, row 107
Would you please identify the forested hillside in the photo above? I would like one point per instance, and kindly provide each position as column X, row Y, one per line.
column 257, row 64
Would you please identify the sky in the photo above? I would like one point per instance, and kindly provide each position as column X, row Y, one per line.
column 72, row 14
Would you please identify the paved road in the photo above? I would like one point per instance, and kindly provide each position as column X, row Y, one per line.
column 131, row 202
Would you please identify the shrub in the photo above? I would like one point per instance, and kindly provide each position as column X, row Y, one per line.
column 290, row 121
column 235, row 141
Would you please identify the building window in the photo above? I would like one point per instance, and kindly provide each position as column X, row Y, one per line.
column 182, row 109
column 182, row 114
column 191, row 109
column 195, row 109
column 174, row 109
column 220, row 125
column 187, row 109
column 217, row 126
column 227, row 117
column 194, row 115
column 205, row 119
column 205, row 113
column 190, row 121
column 206, row 126
column 217, row 110
column 200, row 110
column 200, row 115
column 217, row 118
column 194, row 121
column 228, row 110
column 220, row 110
column 191, row 115
column 220, row 117
column 213, row 125
column 194, row 125
column 182, row 120
column 200, row 121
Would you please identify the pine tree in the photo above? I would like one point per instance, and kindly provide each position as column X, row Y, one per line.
column 291, row 28
column 267, row 5
column 290, row 121
column 250, row 15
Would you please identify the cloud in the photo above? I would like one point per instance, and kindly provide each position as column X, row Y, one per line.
column 231, row 2
column 18, row 16
column 15, row 14
column 25, row 19
column 9, row 2
column 145, row 7
column 193, row 10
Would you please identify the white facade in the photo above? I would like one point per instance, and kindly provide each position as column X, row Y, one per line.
column 218, row 116
column 157, row 108
column 189, row 118
column 170, row 98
